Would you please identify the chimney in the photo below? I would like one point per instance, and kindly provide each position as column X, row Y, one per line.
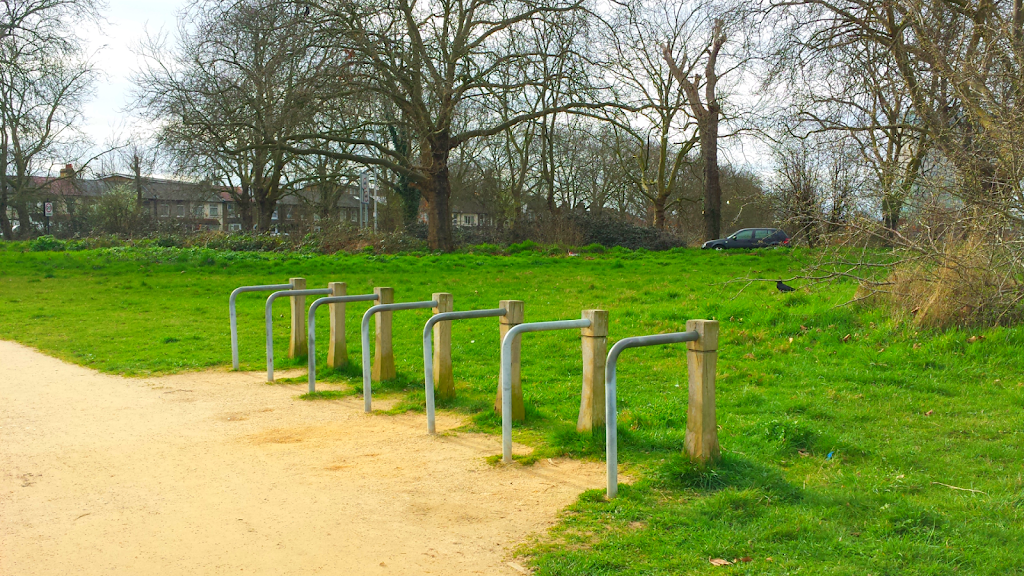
column 67, row 172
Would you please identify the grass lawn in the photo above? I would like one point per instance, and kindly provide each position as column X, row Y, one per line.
column 891, row 451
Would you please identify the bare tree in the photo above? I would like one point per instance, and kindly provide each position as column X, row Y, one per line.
column 246, row 77
column 44, row 80
column 655, row 142
column 433, row 61
column 707, row 113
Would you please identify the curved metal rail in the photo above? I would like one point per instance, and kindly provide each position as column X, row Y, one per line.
column 610, row 411
column 428, row 360
column 506, row 373
column 233, row 315
column 365, row 333
column 268, row 314
column 311, row 337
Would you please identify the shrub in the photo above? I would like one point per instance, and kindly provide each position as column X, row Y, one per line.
column 47, row 244
column 970, row 280
column 109, row 241
column 118, row 212
column 483, row 249
column 524, row 246
column 609, row 230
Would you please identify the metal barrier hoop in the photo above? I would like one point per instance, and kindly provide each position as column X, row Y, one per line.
column 610, row 416
column 506, row 373
column 233, row 315
column 428, row 364
column 268, row 313
column 311, row 337
column 365, row 333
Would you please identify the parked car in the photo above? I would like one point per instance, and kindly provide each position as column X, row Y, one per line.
column 750, row 238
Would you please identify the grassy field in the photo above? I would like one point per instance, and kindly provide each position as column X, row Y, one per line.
column 852, row 442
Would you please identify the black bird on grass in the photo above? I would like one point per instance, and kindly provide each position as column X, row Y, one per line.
column 782, row 287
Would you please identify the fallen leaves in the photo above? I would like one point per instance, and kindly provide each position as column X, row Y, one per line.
column 846, row 338
column 974, row 339
column 929, row 413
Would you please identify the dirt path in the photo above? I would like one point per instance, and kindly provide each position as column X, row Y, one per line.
column 217, row 473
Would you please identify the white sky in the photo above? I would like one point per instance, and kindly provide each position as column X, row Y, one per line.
column 106, row 115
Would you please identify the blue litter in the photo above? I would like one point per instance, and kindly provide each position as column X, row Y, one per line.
column 829, row 457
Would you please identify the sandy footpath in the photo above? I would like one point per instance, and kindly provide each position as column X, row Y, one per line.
column 218, row 473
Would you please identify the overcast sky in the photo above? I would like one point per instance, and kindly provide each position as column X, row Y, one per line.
column 127, row 23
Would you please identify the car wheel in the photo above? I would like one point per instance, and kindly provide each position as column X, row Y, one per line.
column 718, row 248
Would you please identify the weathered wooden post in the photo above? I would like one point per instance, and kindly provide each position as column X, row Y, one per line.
column 383, row 357
column 514, row 314
column 444, row 380
column 337, row 350
column 701, row 439
column 595, row 348
column 297, row 342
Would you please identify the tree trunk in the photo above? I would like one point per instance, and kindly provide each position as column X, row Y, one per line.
column 659, row 212
column 137, row 167
column 892, row 207
column 409, row 194
column 5, row 222
column 24, row 222
column 437, row 190
column 265, row 212
column 712, row 180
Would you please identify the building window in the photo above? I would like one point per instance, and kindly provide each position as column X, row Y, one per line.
column 467, row 219
column 214, row 211
column 198, row 210
column 165, row 209
column 181, row 210
column 352, row 215
column 231, row 208
column 234, row 227
column 274, row 215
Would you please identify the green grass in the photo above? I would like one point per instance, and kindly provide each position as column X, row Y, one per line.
column 904, row 414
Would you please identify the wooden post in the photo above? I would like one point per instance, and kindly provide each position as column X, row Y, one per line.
column 383, row 357
column 337, row 350
column 297, row 342
column 444, row 380
column 514, row 314
column 595, row 348
column 701, row 358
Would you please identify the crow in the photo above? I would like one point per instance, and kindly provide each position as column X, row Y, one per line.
column 782, row 287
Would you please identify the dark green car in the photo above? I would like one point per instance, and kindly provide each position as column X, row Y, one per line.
column 750, row 238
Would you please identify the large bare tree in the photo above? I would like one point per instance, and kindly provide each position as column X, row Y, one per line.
column 44, row 80
column 654, row 142
column 707, row 113
column 244, row 78
column 439, row 63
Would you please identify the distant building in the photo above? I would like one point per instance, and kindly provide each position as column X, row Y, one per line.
column 466, row 213
column 189, row 205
